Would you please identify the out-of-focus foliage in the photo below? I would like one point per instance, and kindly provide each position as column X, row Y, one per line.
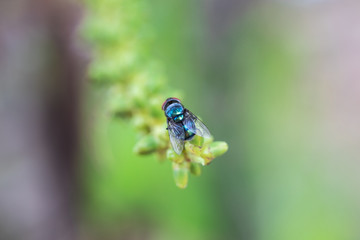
column 135, row 83
column 277, row 82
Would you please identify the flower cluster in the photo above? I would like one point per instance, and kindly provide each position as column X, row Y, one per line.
column 136, row 84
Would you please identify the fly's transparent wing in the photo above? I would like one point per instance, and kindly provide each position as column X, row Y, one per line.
column 177, row 144
column 189, row 122
column 176, row 129
column 201, row 129
column 195, row 125
column 177, row 136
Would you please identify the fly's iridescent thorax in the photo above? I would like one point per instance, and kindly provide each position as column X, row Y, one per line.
column 175, row 111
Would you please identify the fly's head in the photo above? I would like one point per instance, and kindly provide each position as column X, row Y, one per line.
column 172, row 107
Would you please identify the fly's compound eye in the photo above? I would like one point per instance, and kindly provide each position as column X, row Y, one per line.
column 169, row 101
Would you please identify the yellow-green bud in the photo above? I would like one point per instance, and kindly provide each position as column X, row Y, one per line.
column 139, row 122
column 155, row 108
column 208, row 140
column 196, row 159
column 192, row 148
column 181, row 174
column 146, row 145
column 172, row 156
column 195, row 169
column 197, row 141
column 218, row 148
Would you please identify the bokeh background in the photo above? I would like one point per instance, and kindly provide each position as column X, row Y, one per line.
column 278, row 80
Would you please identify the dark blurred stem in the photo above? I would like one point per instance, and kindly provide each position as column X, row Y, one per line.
column 41, row 70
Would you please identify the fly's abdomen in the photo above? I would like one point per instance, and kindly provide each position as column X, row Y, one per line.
column 189, row 134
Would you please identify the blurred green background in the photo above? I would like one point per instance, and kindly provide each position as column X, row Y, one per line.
column 265, row 76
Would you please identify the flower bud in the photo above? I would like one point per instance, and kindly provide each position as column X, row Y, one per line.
column 195, row 169
column 174, row 157
column 197, row 141
column 208, row 140
column 218, row 148
column 192, row 148
column 197, row 159
column 181, row 173
column 154, row 108
column 139, row 122
column 146, row 145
